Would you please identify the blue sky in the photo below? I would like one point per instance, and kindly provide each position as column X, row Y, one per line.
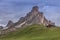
column 14, row 9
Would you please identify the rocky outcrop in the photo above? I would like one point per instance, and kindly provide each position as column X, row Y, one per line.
column 9, row 28
column 1, row 27
column 33, row 17
column 10, row 24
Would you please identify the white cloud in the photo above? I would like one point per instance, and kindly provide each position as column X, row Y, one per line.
column 2, row 25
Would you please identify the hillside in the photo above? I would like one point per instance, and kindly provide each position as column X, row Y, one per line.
column 34, row 32
column 33, row 17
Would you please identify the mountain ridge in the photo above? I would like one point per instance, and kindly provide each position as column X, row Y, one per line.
column 33, row 17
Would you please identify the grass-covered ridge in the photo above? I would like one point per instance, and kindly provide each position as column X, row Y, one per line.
column 34, row 32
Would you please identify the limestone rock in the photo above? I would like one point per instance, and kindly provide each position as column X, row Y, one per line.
column 34, row 17
column 10, row 24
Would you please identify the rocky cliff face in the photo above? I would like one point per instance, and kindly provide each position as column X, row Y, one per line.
column 10, row 23
column 33, row 17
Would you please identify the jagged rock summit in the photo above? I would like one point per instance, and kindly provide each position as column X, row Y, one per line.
column 33, row 17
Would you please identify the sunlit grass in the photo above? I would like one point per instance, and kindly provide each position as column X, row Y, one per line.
column 34, row 32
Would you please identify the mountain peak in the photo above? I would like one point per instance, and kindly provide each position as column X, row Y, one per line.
column 35, row 8
column 33, row 17
column 9, row 23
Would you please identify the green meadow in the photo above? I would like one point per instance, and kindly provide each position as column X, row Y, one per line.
column 33, row 32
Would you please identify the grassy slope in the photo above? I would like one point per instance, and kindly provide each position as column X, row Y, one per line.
column 34, row 32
